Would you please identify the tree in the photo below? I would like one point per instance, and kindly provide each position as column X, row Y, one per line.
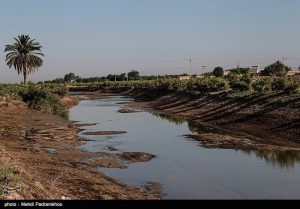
column 133, row 74
column 122, row 77
column 219, row 72
column 23, row 55
column 70, row 77
column 276, row 69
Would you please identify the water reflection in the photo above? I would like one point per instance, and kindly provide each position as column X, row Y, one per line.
column 186, row 170
column 286, row 159
column 172, row 119
column 194, row 127
column 281, row 159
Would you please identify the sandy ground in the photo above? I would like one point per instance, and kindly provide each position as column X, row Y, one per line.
column 64, row 171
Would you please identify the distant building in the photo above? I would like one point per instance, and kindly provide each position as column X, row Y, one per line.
column 227, row 72
column 254, row 70
column 182, row 78
column 297, row 76
column 293, row 72
column 200, row 76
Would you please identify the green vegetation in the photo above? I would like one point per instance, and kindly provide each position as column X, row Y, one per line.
column 207, row 85
column 263, row 85
column 133, row 74
column 292, row 87
column 276, row 84
column 276, row 69
column 279, row 83
column 23, row 55
column 44, row 97
column 218, row 72
column 69, row 78
column 8, row 178
column 10, row 89
column 239, row 81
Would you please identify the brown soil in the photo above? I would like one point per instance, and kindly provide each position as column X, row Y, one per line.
column 76, row 124
column 68, row 172
column 136, row 157
column 104, row 133
column 255, row 122
column 127, row 110
column 155, row 188
column 70, row 101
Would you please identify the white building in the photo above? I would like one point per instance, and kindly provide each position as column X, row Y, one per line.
column 255, row 70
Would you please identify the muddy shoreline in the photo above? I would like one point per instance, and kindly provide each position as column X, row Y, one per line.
column 48, row 144
column 43, row 149
column 252, row 124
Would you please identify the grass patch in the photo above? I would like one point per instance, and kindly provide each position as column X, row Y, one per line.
column 8, row 178
column 44, row 99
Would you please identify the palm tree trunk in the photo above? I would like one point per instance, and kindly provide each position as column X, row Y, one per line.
column 25, row 78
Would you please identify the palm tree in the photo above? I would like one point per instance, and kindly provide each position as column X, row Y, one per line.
column 23, row 55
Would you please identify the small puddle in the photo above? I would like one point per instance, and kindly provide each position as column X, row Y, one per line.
column 182, row 169
column 50, row 150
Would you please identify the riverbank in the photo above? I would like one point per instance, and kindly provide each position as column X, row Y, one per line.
column 43, row 148
column 43, row 151
column 247, row 122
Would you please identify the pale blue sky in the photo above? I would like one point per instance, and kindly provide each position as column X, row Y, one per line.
column 98, row 37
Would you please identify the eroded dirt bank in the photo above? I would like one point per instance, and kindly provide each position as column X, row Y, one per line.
column 43, row 150
column 253, row 122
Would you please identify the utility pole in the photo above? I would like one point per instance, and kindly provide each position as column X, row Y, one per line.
column 115, row 78
column 283, row 62
column 190, row 68
column 203, row 69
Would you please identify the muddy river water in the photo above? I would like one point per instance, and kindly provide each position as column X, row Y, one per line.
column 183, row 168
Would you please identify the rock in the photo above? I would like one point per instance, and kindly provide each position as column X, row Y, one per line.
column 137, row 156
column 104, row 133
column 127, row 110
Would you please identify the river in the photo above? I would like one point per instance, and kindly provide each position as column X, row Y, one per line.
column 185, row 169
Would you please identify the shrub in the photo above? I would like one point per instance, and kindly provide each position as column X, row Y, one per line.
column 207, row 85
column 8, row 177
column 219, row 72
column 263, row 85
column 240, row 86
column 292, row 87
column 276, row 69
column 279, row 83
column 59, row 89
column 41, row 98
column 8, row 89
column 240, row 82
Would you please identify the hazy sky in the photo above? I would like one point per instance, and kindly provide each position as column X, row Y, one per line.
column 98, row 37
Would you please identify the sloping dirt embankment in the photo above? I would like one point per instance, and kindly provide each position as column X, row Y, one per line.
column 254, row 121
